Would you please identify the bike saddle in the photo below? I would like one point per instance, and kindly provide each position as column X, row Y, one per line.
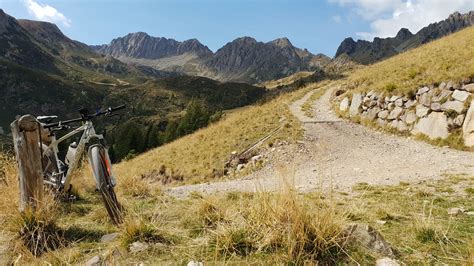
column 46, row 119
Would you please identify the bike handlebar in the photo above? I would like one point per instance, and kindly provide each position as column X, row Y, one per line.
column 86, row 118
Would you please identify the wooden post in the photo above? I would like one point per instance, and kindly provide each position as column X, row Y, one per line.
column 26, row 139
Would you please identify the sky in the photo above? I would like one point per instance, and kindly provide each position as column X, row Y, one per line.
column 318, row 25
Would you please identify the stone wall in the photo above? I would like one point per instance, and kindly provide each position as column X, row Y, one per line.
column 435, row 111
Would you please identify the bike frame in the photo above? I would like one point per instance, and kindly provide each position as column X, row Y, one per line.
column 89, row 133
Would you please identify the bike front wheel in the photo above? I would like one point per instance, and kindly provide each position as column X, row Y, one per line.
column 101, row 167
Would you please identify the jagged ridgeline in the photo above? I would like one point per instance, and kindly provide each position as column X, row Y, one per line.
column 43, row 72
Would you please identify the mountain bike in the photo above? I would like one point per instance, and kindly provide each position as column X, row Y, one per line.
column 58, row 174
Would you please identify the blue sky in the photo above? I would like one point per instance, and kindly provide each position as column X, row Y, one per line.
column 318, row 25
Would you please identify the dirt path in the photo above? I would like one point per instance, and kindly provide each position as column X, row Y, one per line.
column 339, row 154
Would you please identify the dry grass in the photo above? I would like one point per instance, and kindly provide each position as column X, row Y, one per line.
column 449, row 58
column 286, row 80
column 201, row 156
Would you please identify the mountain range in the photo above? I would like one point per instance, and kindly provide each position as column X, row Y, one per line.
column 365, row 52
column 243, row 60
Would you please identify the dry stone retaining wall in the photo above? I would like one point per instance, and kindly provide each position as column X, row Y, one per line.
column 435, row 111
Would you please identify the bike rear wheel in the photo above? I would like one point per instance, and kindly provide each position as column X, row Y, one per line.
column 102, row 171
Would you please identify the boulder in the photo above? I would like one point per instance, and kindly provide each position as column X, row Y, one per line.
column 372, row 113
column 372, row 103
column 391, row 106
column 344, row 105
column 456, row 106
column 435, row 107
column 450, row 85
column 425, row 99
column 444, row 94
column 369, row 238
column 370, row 93
column 355, row 104
column 468, row 126
column 460, row 95
column 381, row 121
column 136, row 247
column 195, row 263
column 394, row 98
column 422, row 90
column 393, row 124
column 442, row 85
column 395, row 113
column 435, row 125
column 399, row 102
column 386, row 261
column 383, row 114
column 421, row 110
column 410, row 104
column 468, row 87
column 401, row 126
column 459, row 120
column 410, row 117
column 94, row 261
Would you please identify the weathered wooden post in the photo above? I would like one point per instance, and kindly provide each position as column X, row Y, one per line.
column 26, row 139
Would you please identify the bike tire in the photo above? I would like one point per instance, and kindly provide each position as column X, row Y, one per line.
column 101, row 167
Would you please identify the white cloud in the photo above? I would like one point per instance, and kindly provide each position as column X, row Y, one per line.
column 337, row 19
column 46, row 13
column 388, row 17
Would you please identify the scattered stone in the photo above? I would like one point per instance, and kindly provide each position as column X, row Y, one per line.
column 450, row 85
column 344, row 105
column 410, row 117
column 425, row 99
column 469, row 87
column 109, row 237
column 456, row 106
column 423, row 90
column 94, row 261
column 240, row 167
column 395, row 113
column 382, row 222
column 372, row 103
column 401, row 126
column 435, row 107
column 136, row 247
column 455, row 211
column 471, row 213
column 394, row 98
column 391, row 106
column 442, row 85
column 410, row 104
column 195, row 263
column 383, row 114
column 370, row 93
column 421, row 111
column 355, row 104
column 468, row 126
column 435, row 125
column 443, row 95
column 460, row 95
column 368, row 237
column 386, row 262
column 393, row 124
column 459, row 120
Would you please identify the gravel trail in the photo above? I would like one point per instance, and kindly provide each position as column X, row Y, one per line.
column 338, row 154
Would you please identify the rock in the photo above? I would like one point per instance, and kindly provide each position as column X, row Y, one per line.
column 394, row 98
column 450, row 85
column 450, row 122
column 381, row 122
column 372, row 113
column 399, row 102
column 443, row 95
column 401, row 126
column 240, row 167
column 410, row 117
column 372, row 103
column 138, row 247
column 471, row 213
column 109, row 237
column 421, row 110
column 455, row 211
column 195, row 263
column 368, row 237
column 468, row 126
column 456, row 106
column 435, row 107
column 355, row 104
column 442, row 85
column 468, row 87
column 94, row 261
column 386, row 262
column 460, row 95
column 435, row 125
column 344, row 105
column 395, row 113
column 459, row 120
column 422, row 90
column 381, row 222
column 383, row 114
column 410, row 104
column 393, row 124
column 425, row 99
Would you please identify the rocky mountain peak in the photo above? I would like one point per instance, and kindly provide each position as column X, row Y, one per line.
column 5, row 21
column 282, row 42
column 403, row 34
